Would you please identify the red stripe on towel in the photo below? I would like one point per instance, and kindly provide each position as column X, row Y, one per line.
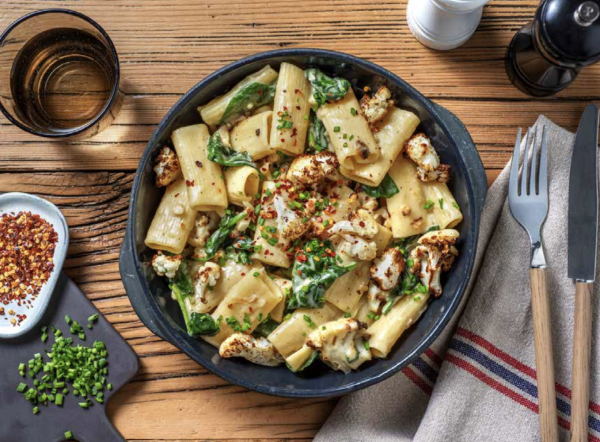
column 529, row 371
column 427, row 389
column 433, row 357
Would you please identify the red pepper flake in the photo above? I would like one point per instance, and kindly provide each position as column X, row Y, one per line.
column 362, row 223
column 297, row 91
column 198, row 163
column 298, row 107
column 243, row 274
column 285, row 107
column 251, row 309
column 177, row 194
column 300, row 272
column 189, row 183
column 283, row 140
column 27, row 244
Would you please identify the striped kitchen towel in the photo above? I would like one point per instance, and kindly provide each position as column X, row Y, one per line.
column 477, row 382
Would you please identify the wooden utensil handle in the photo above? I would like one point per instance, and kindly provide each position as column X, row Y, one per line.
column 582, row 342
column 544, row 361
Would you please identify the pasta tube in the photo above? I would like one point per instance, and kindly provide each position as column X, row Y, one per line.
column 205, row 184
column 392, row 133
column 291, row 110
column 419, row 206
column 173, row 220
column 252, row 135
column 291, row 334
column 241, row 184
column 252, row 297
column 346, row 290
column 349, row 132
column 386, row 331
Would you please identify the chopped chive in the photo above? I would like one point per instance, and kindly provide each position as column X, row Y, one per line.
column 367, row 345
column 36, row 410
column 336, row 129
column 94, row 317
column 455, row 205
column 22, row 387
column 68, row 320
column 68, row 434
column 353, row 111
column 428, row 205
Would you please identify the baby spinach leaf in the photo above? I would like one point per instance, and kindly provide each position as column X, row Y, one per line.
column 312, row 358
column 317, row 135
column 386, row 189
column 183, row 280
column 326, row 88
column 226, row 156
column 265, row 327
column 251, row 96
column 196, row 324
column 202, row 324
column 315, row 269
column 219, row 236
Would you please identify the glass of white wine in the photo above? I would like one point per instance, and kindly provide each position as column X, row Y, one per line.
column 59, row 75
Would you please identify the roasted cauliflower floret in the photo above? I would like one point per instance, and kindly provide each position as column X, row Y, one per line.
column 341, row 343
column 369, row 203
column 387, row 269
column 434, row 253
column 419, row 149
column 357, row 247
column 206, row 278
column 165, row 265
column 204, row 224
column 376, row 107
column 377, row 297
column 311, row 170
column 257, row 350
column 166, row 167
column 359, row 223
column 289, row 223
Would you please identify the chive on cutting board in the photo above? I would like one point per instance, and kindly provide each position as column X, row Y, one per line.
column 17, row 421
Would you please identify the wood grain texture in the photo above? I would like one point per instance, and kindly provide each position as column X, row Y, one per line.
column 166, row 47
column 582, row 344
column 544, row 360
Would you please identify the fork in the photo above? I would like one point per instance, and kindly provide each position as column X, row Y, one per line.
column 528, row 204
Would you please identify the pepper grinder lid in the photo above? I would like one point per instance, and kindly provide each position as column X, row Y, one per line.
column 570, row 30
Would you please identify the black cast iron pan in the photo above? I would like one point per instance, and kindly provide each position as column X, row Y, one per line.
column 150, row 295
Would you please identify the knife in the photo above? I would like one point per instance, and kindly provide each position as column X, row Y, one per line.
column 583, row 242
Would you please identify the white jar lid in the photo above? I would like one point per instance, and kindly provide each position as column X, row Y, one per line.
column 461, row 5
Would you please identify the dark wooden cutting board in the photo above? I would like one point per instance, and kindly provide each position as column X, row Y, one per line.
column 17, row 421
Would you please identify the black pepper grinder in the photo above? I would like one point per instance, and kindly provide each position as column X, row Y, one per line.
column 547, row 54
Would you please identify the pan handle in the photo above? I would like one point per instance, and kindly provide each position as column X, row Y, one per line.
column 469, row 153
column 146, row 311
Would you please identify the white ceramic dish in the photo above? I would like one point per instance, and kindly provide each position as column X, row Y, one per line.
column 23, row 202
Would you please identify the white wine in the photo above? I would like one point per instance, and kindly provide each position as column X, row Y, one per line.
column 62, row 79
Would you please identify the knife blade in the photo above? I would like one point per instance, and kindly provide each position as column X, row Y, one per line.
column 583, row 199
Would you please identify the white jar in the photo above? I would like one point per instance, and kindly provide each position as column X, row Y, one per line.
column 444, row 24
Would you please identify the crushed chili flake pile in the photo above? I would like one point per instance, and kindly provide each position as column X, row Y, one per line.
column 27, row 243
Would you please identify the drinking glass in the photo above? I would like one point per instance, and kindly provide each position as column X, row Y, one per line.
column 59, row 75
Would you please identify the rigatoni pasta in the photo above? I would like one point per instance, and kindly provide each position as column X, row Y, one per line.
column 173, row 220
column 241, row 184
column 349, row 132
column 252, row 135
column 308, row 226
column 290, row 110
column 204, row 179
column 391, row 134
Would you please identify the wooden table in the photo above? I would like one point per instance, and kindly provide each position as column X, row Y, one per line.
column 165, row 47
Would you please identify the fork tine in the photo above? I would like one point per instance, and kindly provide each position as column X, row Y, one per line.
column 524, row 170
column 514, row 167
column 533, row 179
column 543, row 180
